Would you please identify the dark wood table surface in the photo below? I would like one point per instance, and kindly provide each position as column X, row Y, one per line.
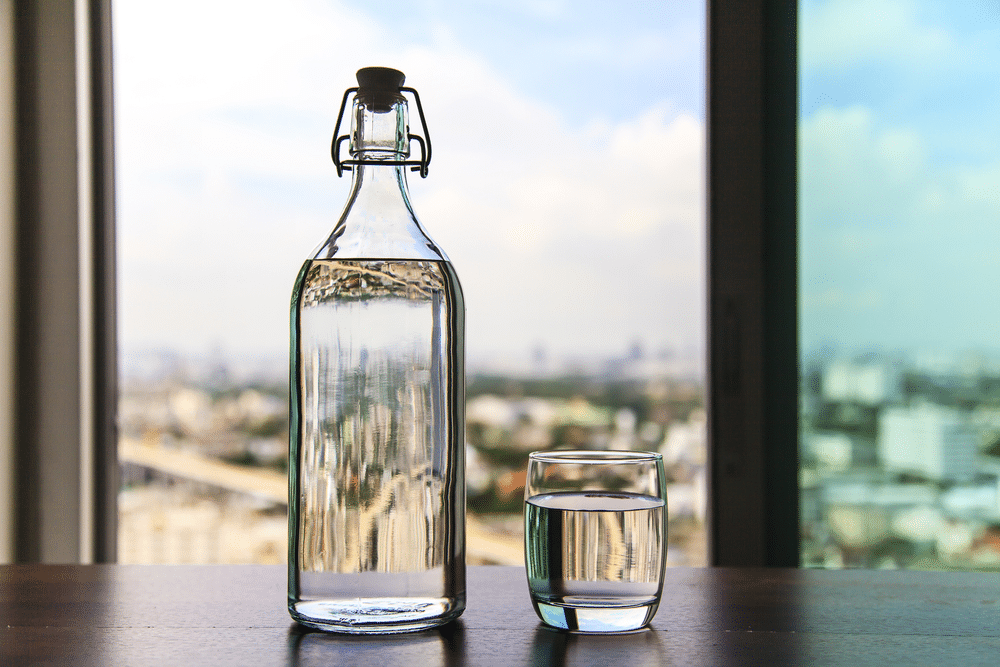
column 235, row 615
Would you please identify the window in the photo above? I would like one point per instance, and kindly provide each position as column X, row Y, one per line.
column 898, row 205
column 752, row 315
column 566, row 187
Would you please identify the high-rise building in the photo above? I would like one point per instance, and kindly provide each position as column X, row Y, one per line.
column 867, row 383
column 927, row 439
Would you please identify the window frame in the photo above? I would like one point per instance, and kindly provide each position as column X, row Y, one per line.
column 62, row 436
column 752, row 393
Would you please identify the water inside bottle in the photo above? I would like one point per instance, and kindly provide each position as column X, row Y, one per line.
column 379, row 385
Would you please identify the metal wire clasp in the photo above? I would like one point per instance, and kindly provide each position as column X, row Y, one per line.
column 415, row 165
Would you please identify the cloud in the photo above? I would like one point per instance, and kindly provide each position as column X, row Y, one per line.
column 896, row 247
column 578, row 235
column 980, row 186
column 847, row 33
column 851, row 170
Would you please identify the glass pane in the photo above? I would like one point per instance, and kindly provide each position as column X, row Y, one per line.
column 899, row 200
column 566, row 187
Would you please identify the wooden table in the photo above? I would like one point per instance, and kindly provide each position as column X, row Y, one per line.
column 235, row 615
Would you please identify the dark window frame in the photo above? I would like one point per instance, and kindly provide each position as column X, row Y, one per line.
column 753, row 321
column 65, row 368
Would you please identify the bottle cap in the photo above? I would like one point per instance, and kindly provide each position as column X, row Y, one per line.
column 378, row 87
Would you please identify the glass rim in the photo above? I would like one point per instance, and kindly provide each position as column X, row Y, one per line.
column 594, row 456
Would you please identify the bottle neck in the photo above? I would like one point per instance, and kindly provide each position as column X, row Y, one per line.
column 380, row 128
column 378, row 221
column 379, row 139
column 381, row 188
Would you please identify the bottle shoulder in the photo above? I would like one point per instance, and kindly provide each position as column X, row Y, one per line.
column 378, row 222
column 392, row 235
column 379, row 245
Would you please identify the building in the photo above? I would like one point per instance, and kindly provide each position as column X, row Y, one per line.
column 934, row 441
column 867, row 383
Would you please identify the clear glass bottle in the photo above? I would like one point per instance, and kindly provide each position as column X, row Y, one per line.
column 376, row 459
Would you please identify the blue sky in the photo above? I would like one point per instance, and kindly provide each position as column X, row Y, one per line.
column 567, row 182
column 900, row 175
column 593, row 56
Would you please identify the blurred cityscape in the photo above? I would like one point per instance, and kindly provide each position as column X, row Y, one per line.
column 900, row 461
column 203, row 447
column 899, row 457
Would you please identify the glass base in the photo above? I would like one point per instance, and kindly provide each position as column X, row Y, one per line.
column 605, row 620
column 375, row 615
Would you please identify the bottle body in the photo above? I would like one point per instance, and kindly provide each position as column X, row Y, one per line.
column 376, row 521
column 377, row 492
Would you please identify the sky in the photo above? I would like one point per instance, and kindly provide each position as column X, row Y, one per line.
column 567, row 181
column 899, row 166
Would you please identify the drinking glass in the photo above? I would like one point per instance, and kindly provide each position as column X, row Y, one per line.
column 595, row 533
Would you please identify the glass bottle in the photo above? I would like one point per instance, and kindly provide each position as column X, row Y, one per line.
column 376, row 459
